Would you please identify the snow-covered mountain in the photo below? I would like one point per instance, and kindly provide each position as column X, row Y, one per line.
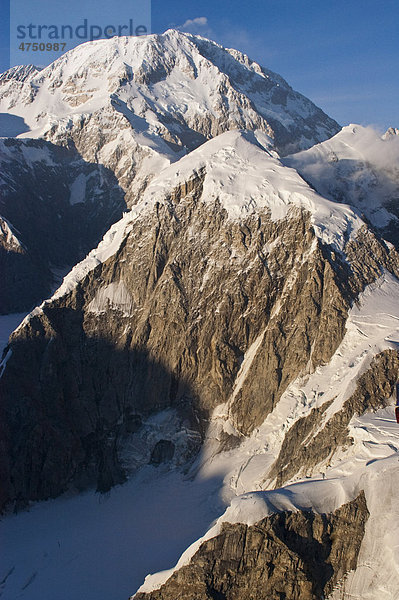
column 359, row 167
column 174, row 88
column 228, row 352
column 55, row 208
column 133, row 106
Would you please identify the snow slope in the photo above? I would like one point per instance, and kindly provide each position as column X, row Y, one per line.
column 372, row 326
column 161, row 84
column 7, row 325
column 99, row 547
column 359, row 167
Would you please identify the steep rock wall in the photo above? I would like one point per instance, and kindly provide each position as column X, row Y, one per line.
column 299, row 556
column 166, row 322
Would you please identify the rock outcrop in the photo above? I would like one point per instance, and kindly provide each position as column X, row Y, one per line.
column 57, row 208
column 300, row 556
column 301, row 451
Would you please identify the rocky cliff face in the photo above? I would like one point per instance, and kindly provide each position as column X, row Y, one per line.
column 115, row 103
column 303, row 449
column 299, row 555
column 57, row 207
column 187, row 292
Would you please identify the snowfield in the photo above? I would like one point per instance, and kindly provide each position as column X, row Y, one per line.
column 99, row 547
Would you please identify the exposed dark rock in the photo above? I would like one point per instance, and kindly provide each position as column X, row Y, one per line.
column 163, row 452
column 59, row 206
column 299, row 556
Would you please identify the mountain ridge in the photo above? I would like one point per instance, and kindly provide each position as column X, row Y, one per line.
column 134, row 106
column 228, row 351
column 157, row 57
column 360, row 167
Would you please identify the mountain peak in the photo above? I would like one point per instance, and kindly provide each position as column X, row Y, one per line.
column 390, row 133
column 19, row 73
column 357, row 166
column 163, row 84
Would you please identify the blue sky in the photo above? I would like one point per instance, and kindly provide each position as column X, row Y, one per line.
column 343, row 55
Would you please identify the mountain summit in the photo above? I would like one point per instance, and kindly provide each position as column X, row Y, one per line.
column 177, row 87
column 122, row 110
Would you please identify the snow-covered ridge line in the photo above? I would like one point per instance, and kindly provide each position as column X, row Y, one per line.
column 243, row 174
column 321, row 497
column 174, row 75
column 357, row 165
column 19, row 73
column 107, row 247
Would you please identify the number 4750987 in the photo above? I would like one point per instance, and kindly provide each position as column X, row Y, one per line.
column 35, row 46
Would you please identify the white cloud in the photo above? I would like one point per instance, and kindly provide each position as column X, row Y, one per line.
column 198, row 21
column 199, row 25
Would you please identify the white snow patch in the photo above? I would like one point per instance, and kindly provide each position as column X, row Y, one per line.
column 32, row 154
column 246, row 364
column 114, row 296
